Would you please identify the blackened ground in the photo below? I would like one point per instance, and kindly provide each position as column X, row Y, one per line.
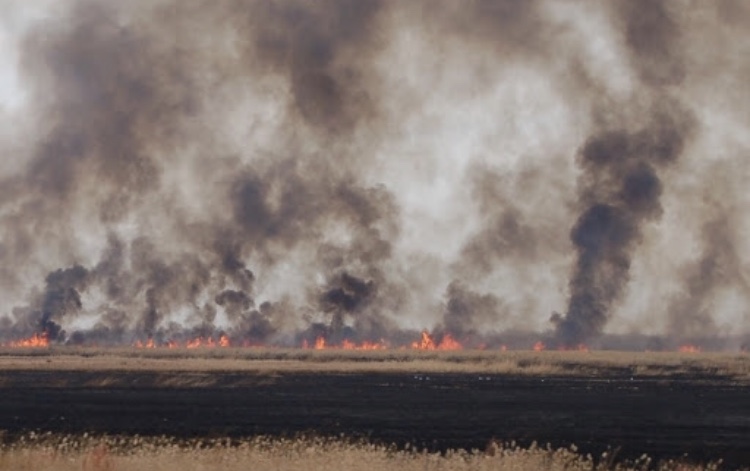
column 705, row 418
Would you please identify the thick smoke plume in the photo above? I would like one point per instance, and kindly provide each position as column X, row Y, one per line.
column 361, row 170
column 621, row 191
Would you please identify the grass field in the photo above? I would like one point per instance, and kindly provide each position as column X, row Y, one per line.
column 83, row 453
column 205, row 368
column 587, row 364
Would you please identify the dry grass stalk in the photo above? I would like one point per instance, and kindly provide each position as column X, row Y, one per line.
column 66, row 453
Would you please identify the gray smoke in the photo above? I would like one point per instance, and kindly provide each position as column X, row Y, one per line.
column 620, row 187
column 467, row 311
column 715, row 275
column 621, row 191
column 61, row 297
column 364, row 169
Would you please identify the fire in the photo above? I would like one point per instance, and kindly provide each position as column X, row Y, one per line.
column 426, row 342
column 381, row 345
column 201, row 342
column 449, row 343
column 198, row 342
column 148, row 344
column 322, row 344
column 372, row 345
column 36, row 340
column 689, row 349
column 539, row 346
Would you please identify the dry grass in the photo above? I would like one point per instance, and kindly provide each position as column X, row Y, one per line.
column 66, row 453
column 270, row 361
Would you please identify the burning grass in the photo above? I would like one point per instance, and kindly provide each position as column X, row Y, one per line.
column 63, row 453
column 598, row 364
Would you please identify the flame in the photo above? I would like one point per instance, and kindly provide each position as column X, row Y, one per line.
column 449, row 343
column 426, row 342
column 578, row 348
column 372, row 345
column 197, row 342
column 689, row 349
column 322, row 344
column 36, row 340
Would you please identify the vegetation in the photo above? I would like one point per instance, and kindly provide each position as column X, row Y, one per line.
column 68, row 453
column 270, row 360
column 86, row 453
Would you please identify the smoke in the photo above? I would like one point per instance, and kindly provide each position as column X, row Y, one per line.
column 621, row 190
column 620, row 186
column 653, row 36
column 61, row 297
column 715, row 279
column 467, row 311
column 364, row 169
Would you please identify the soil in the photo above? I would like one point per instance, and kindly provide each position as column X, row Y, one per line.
column 705, row 418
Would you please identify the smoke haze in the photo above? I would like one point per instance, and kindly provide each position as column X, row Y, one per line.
column 362, row 169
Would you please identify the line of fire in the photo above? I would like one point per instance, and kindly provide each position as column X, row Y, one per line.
column 426, row 342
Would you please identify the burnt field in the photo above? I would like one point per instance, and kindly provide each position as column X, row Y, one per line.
column 699, row 413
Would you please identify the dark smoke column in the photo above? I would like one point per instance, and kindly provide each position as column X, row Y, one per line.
column 619, row 192
column 620, row 186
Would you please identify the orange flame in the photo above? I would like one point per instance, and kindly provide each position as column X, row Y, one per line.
column 373, row 345
column 578, row 348
column 689, row 349
column 322, row 344
column 539, row 346
column 198, row 342
column 449, row 343
column 349, row 345
column 147, row 344
column 36, row 341
column 201, row 342
column 426, row 342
